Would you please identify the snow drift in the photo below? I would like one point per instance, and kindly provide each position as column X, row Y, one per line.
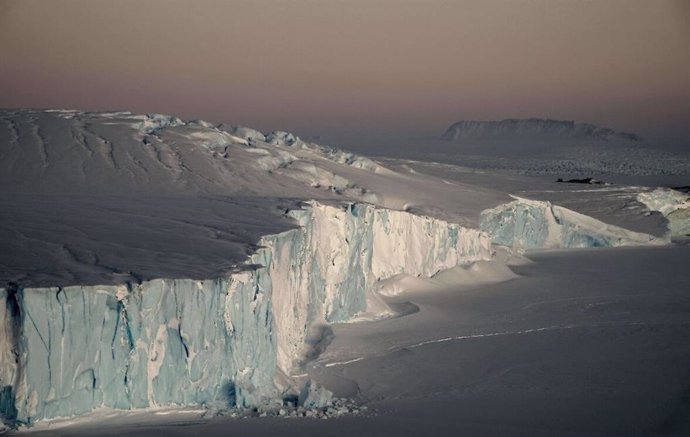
column 229, row 341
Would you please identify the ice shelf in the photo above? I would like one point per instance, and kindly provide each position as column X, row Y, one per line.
column 231, row 341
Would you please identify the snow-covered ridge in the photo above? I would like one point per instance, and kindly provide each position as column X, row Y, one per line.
column 223, row 342
column 532, row 224
column 533, row 127
column 59, row 151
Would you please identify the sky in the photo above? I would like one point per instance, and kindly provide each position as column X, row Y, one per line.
column 358, row 68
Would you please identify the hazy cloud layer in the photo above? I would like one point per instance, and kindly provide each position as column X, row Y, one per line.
column 369, row 67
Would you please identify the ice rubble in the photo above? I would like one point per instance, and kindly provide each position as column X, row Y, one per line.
column 674, row 205
column 151, row 123
column 229, row 341
column 531, row 224
column 245, row 133
column 281, row 138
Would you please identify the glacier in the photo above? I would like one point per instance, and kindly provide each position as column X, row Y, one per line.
column 230, row 298
column 231, row 341
column 532, row 224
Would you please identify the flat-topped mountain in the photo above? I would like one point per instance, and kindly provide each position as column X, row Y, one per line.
column 534, row 128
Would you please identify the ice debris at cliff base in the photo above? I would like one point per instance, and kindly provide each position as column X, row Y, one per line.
column 229, row 341
column 532, row 224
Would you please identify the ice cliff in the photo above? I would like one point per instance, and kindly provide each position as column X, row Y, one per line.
column 224, row 342
column 672, row 204
column 532, row 224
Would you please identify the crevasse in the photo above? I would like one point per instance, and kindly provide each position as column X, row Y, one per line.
column 229, row 341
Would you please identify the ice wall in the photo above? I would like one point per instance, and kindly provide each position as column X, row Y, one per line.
column 674, row 205
column 224, row 342
column 164, row 342
column 532, row 224
column 326, row 270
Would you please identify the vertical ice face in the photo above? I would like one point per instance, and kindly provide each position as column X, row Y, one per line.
column 223, row 342
column 9, row 353
column 325, row 271
column 159, row 343
column 674, row 205
column 531, row 224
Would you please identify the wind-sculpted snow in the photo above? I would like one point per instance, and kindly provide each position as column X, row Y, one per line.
column 74, row 152
column 531, row 224
column 223, row 342
column 672, row 204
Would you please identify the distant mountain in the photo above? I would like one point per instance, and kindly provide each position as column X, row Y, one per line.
column 534, row 128
column 537, row 146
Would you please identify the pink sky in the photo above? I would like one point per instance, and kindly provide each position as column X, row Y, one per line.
column 355, row 67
